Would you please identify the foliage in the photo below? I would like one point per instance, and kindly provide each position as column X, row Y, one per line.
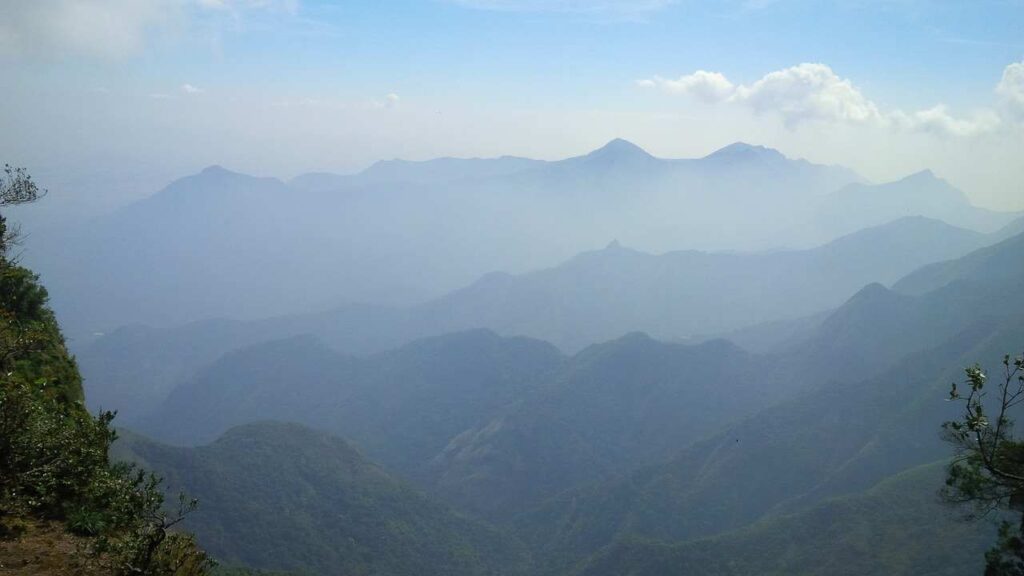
column 988, row 471
column 17, row 187
column 50, row 452
column 283, row 497
column 54, row 455
column 895, row 528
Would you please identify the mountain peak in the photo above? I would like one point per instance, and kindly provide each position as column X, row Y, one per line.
column 215, row 170
column 620, row 148
column 925, row 175
column 741, row 151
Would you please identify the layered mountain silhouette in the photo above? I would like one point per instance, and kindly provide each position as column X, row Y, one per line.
column 223, row 244
column 921, row 194
column 592, row 457
column 840, row 437
column 593, row 297
column 499, row 424
column 334, row 368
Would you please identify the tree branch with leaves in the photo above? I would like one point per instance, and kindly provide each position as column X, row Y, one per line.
column 988, row 468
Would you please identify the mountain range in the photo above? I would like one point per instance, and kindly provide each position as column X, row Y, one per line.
column 502, row 426
column 627, row 410
column 224, row 244
column 593, row 297
column 283, row 497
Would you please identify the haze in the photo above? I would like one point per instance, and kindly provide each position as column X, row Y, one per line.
column 114, row 99
column 511, row 288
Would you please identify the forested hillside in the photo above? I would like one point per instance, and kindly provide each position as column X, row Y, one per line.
column 65, row 506
column 512, row 288
column 896, row 527
column 477, row 453
column 635, row 438
column 283, row 497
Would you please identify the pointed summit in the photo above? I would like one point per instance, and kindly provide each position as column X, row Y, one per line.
column 925, row 175
column 215, row 170
column 619, row 148
column 614, row 156
column 743, row 152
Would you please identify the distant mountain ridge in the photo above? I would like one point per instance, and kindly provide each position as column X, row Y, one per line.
column 921, row 194
column 403, row 232
column 843, row 436
column 180, row 254
column 651, row 453
column 593, row 297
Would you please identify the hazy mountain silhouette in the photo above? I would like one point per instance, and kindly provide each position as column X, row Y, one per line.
column 593, row 297
column 402, row 231
column 840, row 438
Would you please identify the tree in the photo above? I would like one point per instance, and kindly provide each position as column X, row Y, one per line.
column 54, row 455
column 16, row 187
column 988, row 469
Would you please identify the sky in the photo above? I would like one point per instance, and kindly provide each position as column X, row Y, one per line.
column 107, row 100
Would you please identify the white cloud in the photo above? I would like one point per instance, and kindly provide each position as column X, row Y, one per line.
column 624, row 7
column 291, row 6
column 103, row 28
column 190, row 89
column 1010, row 90
column 813, row 92
column 808, row 92
column 710, row 87
column 937, row 120
column 94, row 27
column 388, row 102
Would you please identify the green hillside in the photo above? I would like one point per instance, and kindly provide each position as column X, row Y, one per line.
column 65, row 507
column 283, row 497
column 838, row 439
column 897, row 528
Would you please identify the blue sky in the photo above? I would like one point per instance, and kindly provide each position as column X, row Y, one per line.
column 281, row 87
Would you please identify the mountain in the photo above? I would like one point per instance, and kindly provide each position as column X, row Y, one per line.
column 842, row 436
column 1010, row 230
column 401, row 407
column 493, row 424
column 447, row 169
column 616, row 406
column 739, row 153
column 998, row 262
column 282, row 497
column 439, row 170
column 695, row 446
column 609, row 420
column 898, row 527
column 600, row 295
column 837, row 441
column 65, row 506
column 498, row 424
column 921, row 194
column 616, row 155
column 593, row 297
column 224, row 244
